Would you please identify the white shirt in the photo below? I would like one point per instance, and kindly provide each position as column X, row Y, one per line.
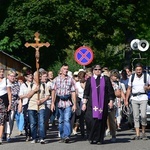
column 123, row 87
column 4, row 85
column 95, row 76
column 138, row 86
column 24, row 89
column 79, row 89
column 49, row 85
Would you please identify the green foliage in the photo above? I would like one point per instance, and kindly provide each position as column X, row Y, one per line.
column 55, row 68
column 73, row 66
column 4, row 42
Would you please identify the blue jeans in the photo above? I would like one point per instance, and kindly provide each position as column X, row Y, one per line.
column 20, row 121
column 55, row 113
column 64, row 122
column 37, row 123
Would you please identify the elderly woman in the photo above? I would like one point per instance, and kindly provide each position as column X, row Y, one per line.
column 11, row 76
column 5, row 100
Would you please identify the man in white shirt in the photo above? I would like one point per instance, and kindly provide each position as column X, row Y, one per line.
column 137, row 88
column 25, row 88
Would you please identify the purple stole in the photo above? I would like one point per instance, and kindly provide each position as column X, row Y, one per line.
column 98, row 101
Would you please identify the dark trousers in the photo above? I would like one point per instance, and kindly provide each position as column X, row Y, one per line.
column 26, row 121
column 82, row 123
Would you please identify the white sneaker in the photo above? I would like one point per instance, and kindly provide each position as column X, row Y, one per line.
column 74, row 132
column 107, row 133
column 58, row 134
column 33, row 141
column 42, row 141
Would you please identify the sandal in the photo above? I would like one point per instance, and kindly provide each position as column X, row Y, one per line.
column 136, row 138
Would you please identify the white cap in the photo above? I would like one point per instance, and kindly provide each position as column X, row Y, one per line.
column 81, row 70
column 70, row 73
column 41, row 70
column 75, row 73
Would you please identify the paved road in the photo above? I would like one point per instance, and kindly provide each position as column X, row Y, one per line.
column 124, row 142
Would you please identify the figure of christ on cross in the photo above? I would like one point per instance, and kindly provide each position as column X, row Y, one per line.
column 37, row 46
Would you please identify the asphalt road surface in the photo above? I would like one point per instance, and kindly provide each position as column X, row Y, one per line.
column 123, row 142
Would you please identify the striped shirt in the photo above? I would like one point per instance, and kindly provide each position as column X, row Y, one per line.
column 63, row 86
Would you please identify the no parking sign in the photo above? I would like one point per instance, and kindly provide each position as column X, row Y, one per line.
column 83, row 55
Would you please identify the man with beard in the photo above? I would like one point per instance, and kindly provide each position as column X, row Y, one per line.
column 137, row 88
column 98, row 96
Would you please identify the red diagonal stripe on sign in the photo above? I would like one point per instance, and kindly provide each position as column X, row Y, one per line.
column 83, row 56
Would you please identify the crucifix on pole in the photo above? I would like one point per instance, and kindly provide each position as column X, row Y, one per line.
column 37, row 46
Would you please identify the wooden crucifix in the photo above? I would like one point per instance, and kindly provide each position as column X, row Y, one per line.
column 37, row 46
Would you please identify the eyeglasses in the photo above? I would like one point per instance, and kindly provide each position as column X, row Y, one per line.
column 96, row 69
column 12, row 75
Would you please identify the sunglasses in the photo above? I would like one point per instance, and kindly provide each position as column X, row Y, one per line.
column 75, row 75
column 97, row 69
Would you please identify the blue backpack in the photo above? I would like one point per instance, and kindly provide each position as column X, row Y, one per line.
column 145, row 75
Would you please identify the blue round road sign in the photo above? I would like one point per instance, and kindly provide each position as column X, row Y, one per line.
column 83, row 55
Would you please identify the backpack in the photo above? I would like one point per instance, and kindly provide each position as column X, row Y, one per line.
column 133, row 75
column 145, row 77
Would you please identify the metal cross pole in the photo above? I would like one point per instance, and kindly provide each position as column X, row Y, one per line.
column 139, row 58
column 37, row 46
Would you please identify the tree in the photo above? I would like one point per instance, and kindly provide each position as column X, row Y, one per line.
column 99, row 24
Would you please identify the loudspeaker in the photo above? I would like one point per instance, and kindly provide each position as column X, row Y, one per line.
column 143, row 45
column 134, row 44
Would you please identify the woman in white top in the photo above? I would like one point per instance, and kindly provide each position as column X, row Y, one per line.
column 5, row 100
column 80, row 85
column 19, row 113
column 11, row 76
